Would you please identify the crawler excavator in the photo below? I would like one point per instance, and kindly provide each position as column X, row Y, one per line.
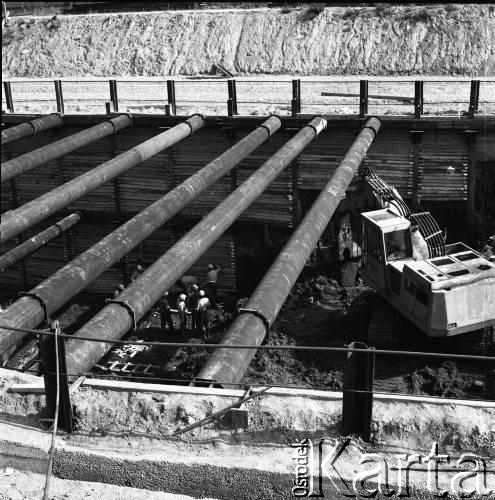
column 444, row 290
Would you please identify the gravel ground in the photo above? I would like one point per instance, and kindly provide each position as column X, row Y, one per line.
column 256, row 95
column 20, row 485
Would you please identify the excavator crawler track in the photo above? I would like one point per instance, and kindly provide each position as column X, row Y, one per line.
column 478, row 343
column 382, row 330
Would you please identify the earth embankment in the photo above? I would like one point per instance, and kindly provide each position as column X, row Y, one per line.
column 395, row 40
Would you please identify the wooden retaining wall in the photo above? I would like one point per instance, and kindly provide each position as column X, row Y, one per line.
column 417, row 157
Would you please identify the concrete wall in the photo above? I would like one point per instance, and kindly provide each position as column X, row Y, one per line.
column 106, row 407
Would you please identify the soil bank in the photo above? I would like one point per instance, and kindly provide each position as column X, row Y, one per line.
column 391, row 40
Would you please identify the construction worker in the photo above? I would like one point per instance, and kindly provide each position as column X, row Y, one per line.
column 192, row 304
column 211, row 283
column 120, row 288
column 203, row 319
column 55, row 326
column 182, row 310
column 135, row 275
column 165, row 313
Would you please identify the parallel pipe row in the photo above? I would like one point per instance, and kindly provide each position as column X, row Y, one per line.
column 251, row 326
column 33, row 159
column 55, row 291
column 39, row 240
column 22, row 218
column 119, row 316
column 30, row 128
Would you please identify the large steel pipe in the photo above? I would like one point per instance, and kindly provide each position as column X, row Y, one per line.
column 33, row 159
column 18, row 220
column 30, row 128
column 29, row 246
column 114, row 320
column 54, row 292
column 229, row 365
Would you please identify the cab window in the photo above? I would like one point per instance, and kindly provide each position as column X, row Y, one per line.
column 373, row 242
column 398, row 245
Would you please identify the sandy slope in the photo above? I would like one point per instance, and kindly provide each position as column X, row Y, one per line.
column 392, row 40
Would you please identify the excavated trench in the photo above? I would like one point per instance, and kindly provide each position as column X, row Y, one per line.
column 327, row 307
column 320, row 311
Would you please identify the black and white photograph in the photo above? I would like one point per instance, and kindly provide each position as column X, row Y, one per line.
column 247, row 251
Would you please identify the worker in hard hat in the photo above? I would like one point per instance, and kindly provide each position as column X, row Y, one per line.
column 120, row 288
column 182, row 310
column 135, row 275
column 203, row 318
column 165, row 313
column 192, row 304
column 211, row 283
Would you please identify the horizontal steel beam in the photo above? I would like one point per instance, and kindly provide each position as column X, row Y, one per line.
column 114, row 320
column 250, row 327
column 248, row 122
column 30, row 128
column 20, row 219
column 41, row 239
column 55, row 291
column 33, row 159
column 370, row 96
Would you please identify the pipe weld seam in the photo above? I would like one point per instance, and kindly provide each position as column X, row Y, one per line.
column 192, row 116
column 127, row 307
column 371, row 128
column 42, row 302
column 61, row 116
column 259, row 315
column 129, row 115
column 266, row 128
column 317, row 132
column 59, row 227
column 110, row 120
column 31, row 124
column 191, row 131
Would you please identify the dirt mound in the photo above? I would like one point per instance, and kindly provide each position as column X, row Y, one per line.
column 395, row 40
column 444, row 381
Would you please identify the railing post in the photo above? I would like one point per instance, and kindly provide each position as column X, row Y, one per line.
column 296, row 97
column 8, row 96
column 363, row 98
column 474, row 98
column 59, row 96
column 113, row 95
column 171, row 96
column 418, row 98
column 234, row 90
column 232, row 100
column 357, row 400
column 107, row 108
column 49, row 365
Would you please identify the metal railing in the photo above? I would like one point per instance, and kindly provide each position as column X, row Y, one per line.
column 358, row 375
column 240, row 96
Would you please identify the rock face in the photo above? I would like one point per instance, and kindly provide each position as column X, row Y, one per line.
column 450, row 39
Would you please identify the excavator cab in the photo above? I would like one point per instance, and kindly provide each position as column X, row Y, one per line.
column 386, row 238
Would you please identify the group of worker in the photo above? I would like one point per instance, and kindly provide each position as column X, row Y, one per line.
column 194, row 300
